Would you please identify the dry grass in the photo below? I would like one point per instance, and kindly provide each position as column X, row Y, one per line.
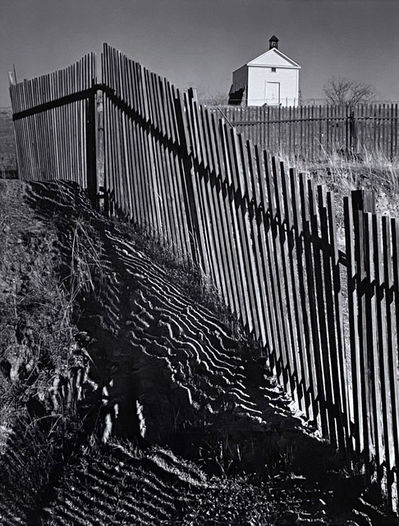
column 341, row 175
column 38, row 344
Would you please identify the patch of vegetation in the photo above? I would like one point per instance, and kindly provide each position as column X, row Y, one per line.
column 342, row 174
column 39, row 353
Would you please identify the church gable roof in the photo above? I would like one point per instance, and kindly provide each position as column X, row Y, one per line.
column 274, row 58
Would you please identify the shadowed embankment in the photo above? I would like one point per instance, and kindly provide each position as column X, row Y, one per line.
column 183, row 424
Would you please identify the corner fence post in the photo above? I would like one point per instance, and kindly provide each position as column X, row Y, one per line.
column 91, row 157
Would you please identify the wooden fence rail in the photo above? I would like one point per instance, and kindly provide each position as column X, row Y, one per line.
column 315, row 132
column 267, row 239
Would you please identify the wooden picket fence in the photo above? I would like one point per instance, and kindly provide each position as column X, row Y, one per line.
column 54, row 120
column 323, row 305
column 317, row 132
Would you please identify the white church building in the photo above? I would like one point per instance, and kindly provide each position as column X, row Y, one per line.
column 272, row 79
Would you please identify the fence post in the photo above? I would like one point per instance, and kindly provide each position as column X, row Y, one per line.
column 188, row 189
column 91, row 157
column 352, row 132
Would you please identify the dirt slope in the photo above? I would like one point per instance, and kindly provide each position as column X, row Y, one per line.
column 188, row 426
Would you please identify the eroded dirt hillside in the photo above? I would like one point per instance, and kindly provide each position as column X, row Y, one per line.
column 146, row 408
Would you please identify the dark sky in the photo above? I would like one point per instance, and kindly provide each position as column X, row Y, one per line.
column 200, row 42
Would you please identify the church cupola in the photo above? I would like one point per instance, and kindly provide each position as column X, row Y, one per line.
column 273, row 42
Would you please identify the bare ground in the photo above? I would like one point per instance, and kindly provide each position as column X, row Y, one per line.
column 150, row 409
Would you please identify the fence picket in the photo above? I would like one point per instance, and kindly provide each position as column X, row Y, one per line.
column 304, row 332
column 372, row 345
column 391, row 278
column 276, row 263
column 283, row 223
column 383, row 355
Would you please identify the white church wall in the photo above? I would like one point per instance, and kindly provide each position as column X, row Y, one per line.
column 285, row 79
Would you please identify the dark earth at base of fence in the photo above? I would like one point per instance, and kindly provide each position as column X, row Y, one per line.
column 157, row 344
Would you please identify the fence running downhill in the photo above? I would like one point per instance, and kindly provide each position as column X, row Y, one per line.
column 266, row 237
